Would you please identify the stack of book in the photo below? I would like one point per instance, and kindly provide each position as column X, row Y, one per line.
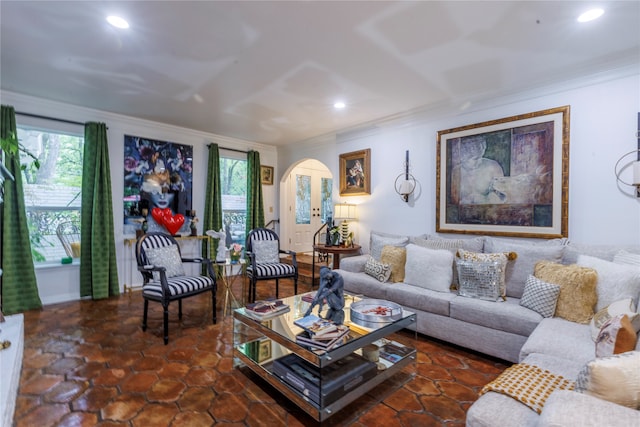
column 263, row 310
column 320, row 334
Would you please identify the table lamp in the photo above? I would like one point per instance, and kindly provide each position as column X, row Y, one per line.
column 345, row 212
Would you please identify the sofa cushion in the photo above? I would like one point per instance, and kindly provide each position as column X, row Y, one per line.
column 507, row 316
column 561, row 338
column 615, row 281
column 577, row 289
column 520, row 268
column 354, row 263
column 568, row 408
column 396, row 257
column 540, row 296
column 428, row 268
column 626, row 257
column 363, row 284
column 378, row 270
column 474, row 244
column 615, row 379
column 414, row 297
column 624, row 306
column 616, row 336
column 378, row 240
column 483, row 279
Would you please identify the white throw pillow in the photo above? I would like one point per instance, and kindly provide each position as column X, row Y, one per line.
column 625, row 257
column 379, row 240
column 615, row 281
column 266, row 251
column 167, row 257
column 428, row 268
column 615, row 379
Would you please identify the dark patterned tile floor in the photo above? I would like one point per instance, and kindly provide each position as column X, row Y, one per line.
column 88, row 363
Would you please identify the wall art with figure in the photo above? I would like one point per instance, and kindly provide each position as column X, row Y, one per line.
column 157, row 174
column 505, row 177
column 355, row 173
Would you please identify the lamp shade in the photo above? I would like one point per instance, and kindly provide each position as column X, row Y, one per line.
column 345, row 211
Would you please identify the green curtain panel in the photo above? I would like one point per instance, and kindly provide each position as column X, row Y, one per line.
column 255, row 202
column 212, row 219
column 98, row 268
column 19, row 286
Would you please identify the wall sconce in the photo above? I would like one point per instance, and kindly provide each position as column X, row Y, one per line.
column 636, row 171
column 345, row 212
column 405, row 182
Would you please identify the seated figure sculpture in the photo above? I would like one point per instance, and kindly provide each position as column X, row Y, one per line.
column 332, row 290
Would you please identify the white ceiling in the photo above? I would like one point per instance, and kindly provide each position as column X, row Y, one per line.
column 270, row 71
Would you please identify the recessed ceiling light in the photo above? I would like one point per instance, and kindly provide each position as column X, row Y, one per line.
column 339, row 105
column 117, row 22
column 590, row 15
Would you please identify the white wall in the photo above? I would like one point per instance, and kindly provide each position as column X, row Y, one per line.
column 603, row 124
column 61, row 283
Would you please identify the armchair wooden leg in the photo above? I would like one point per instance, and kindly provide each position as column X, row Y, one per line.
column 180, row 309
column 144, row 315
column 295, row 286
column 213, row 303
column 277, row 285
column 165, row 319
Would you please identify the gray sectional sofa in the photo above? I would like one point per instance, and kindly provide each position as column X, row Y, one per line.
column 503, row 329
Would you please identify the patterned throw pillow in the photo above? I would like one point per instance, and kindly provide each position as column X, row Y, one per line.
column 624, row 306
column 167, row 257
column 396, row 257
column 615, row 281
column 540, row 296
column 266, row 251
column 577, row 289
column 483, row 279
column 376, row 269
column 626, row 257
column 616, row 336
column 615, row 379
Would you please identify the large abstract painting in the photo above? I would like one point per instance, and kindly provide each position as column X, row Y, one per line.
column 157, row 174
column 505, row 177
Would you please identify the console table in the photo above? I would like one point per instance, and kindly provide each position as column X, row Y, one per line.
column 336, row 251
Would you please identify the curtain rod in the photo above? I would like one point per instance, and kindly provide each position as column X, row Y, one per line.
column 37, row 116
column 230, row 149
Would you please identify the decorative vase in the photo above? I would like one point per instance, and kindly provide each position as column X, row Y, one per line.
column 194, row 230
column 234, row 256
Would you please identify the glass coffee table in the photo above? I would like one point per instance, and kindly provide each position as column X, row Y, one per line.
column 266, row 345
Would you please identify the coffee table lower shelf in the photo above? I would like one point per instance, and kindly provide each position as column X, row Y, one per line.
column 320, row 413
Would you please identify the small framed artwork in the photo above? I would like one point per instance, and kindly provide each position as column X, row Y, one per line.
column 506, row 177
column 264, row 351
column 355, row 173
column 266, row 175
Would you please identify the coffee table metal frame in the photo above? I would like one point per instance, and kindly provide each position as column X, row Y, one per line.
column 248, row 330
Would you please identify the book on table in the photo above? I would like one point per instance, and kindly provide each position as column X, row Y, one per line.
column 324, row 342
column 315, row 326
column 266, row 308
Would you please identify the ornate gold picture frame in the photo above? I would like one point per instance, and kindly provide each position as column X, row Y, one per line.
column 355, row 173
column 266, row 175
column 506, row 177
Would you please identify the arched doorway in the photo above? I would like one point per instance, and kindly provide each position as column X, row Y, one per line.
column 305, row 198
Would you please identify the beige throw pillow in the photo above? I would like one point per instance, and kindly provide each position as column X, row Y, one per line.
column 615, row 379
column 578, row 296
column 396, row 257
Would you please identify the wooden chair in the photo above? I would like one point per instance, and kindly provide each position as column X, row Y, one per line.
column 263, row 252
column 161, row 264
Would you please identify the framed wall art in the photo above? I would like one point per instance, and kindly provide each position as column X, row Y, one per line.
column 355, row 173
column 266, row 175
column 506, row 177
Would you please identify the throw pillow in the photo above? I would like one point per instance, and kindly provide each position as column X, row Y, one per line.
column 428, row 268
column 625, row 306
column 528, row 255
column 379, row 240
column 477, row 256
column 167, row 257
column 483, row 279
column 266, row 251
column 615, row 379
column 625, row 257
column 378, row 270
column 540, row 296
column 396, row 258
column 475, row 244
column 577, row 289
column 616, row 336
column 615, row 281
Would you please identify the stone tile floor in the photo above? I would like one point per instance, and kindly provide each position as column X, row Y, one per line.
column 88, row 363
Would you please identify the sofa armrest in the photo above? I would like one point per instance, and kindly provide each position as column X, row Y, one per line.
column 355, row 264
column 570, row 408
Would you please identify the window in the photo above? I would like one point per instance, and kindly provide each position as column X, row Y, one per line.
column 233, row 185
column 52, row 192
